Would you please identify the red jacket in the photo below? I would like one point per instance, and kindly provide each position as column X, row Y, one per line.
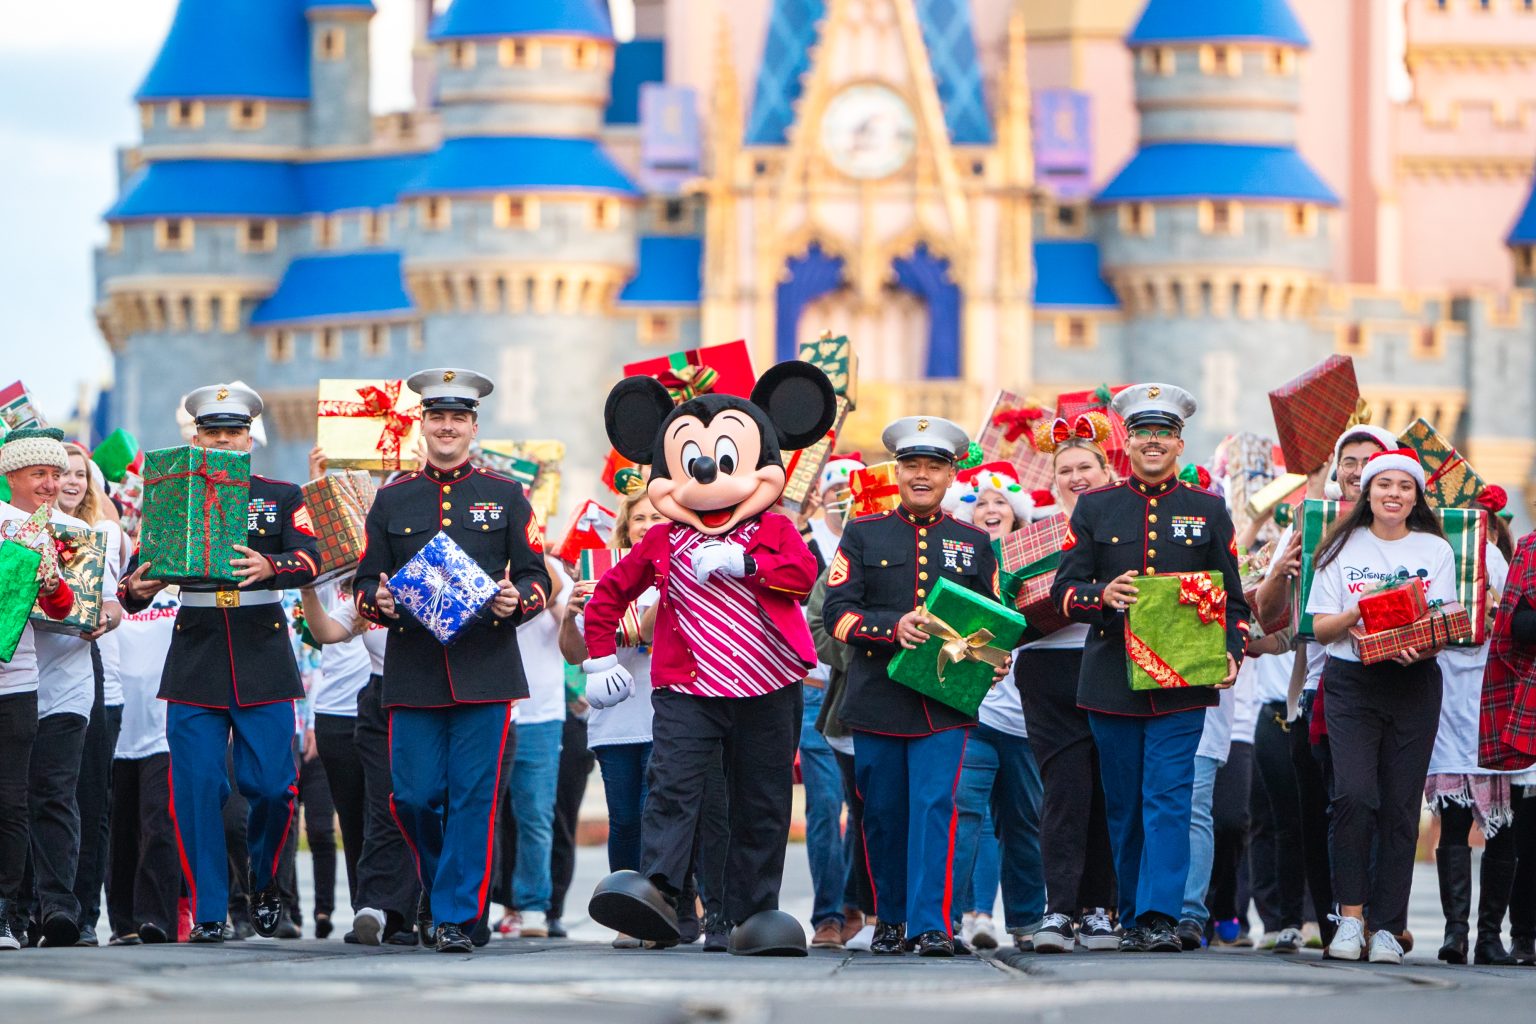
column 786, row 571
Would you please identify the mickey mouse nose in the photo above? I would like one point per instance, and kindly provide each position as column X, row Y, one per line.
column 704, row 470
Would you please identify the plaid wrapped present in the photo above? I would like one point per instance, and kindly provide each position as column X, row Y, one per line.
column 368, row 424
column 443, row 588
column 1176, row 632
column 1444, row 624
column 19, row 564
column 713, row 369
column 591, row 527
column 1034, row 601
column 338, row 507
column 1312, row 410
column 1467, row 531
column 803, row 471
column 83, row 563
column 1072, row 404
column 968, row 636
column 116, row 454
column 1005, row 437
column 16, row 408
column 873, row 489
column 1027, row 553
column 1392, row 605
column 836, row 358
column 1450, row 481
column 1313, row 520
column 195, row 505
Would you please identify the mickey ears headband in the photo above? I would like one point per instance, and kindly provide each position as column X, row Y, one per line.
column 1092, row 427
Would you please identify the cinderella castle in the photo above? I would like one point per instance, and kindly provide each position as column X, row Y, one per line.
column 1039, row 194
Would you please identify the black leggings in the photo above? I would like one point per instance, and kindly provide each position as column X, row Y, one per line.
column 344, row 778
column 1522, row 897
column 1277, row 793
column 1230, row 800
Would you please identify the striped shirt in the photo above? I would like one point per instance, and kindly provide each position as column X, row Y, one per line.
column 738, row 651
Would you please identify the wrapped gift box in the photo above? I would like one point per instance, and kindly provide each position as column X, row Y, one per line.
column 1312, row 410
column 713, row 369
column 1443, row 625
column 1072, row 404
column 1038, row 607
column 613, row 466
column 1026, row 554
column 1450, row 481
column 543, row 458
column 443, row 588
column 591, row 527
column 835, row 357
column 129, row 496
column 1005, row 437
column 507, row 462
column 873, row 489
column 338, row 507
column 1313, row 520
column 195, row 502
column 803, row 470
column 1467, row 531
column 368, row 424
column 1394, row 605
column 968, row 634
column 82, row 563
column 16, row 408
column 595, row 562
column 1176, row 632
column 1286, row 489
column 116, row 454
column 18, row 591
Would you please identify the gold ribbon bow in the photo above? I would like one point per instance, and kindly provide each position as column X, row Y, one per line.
column 1362, row 413
column 957, row 648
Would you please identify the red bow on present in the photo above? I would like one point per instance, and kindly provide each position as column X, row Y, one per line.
column 1210, row 601
column 1016, row 421
column 379, row 404
column 1493, row 498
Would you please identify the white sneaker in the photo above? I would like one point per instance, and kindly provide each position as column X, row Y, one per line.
column 1385, row 949
column 983, row 933
column 1349, row 941
column 1289, row 941
column 861, row 941
column 1055, row 935
column 535, row 926
column 368, row 926
column 1096, row 932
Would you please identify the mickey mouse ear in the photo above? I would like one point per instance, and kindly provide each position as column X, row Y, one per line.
column 799, row 401
column 633, row 416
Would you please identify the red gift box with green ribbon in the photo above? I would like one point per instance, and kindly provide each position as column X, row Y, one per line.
column 711, row 370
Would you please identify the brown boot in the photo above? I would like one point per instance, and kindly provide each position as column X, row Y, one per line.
column 853, row 923
column 829, row 935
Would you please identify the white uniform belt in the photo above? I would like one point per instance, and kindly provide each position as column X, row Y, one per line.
column 229, row 598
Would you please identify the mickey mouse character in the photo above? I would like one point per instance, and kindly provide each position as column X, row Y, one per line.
column 730, row 642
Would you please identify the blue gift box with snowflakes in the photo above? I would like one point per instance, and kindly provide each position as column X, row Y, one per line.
column 443, row 588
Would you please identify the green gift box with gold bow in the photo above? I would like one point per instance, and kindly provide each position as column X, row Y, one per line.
column 1176, row 632
column 969, row 634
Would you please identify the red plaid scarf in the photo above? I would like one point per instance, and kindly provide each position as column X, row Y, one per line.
column 1507, row 729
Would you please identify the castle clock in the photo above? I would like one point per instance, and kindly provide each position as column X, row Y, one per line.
column 868, row 131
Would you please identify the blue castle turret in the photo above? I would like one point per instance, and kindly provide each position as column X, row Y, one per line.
column 1522, row 242
column 338, row 72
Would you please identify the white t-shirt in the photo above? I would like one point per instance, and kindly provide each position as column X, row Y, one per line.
column 538, row 644
column 1245, row 706
column 111, row 678
column 143, row 641
column 1461, row 674
column 1272, row 676
column 1366, row 561
column 344, row 667
column 373, row 639
column 630, row 721
column 66, row 677
column 1216, row 738
column 1002, row 709
column 19, row 675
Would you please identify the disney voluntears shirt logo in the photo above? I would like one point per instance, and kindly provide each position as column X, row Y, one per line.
column 1358, row 580
column 958, row 555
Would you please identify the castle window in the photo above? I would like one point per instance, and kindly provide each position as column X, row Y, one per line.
column 1525, row 260
column 280, row 347
column 1280, row 60
column 1067, row 215
column 672, row 211
column 1137, row 219
column 605, row 214
column 416, row 341
column 1352, row 339
column 375, row 227
column 1301, row 219
column 185, row 114
column 327, row 343
column 146, row 116
column 436, row 214
column 1074, row 332
column 332, row 44
column 462, row 55
column 115, row 237
column 1220, row 60
column 258, row 235
column 583, row 55
column 1430, row 342
column 323, row 231
column 1220, row 217
column 248, row 115
column 174, row 235
column 1157, row 60
column 516, row 212
column 376, row 340
column 517, row 53
column 658, row 329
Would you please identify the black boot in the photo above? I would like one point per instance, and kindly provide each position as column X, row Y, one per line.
column 1454, row 865
column 1494, row 882
column 1523, row 949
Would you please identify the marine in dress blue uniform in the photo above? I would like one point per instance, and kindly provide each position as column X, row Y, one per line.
column 449, row 707
column 1152, row 523
column 231, row 673
column 907, row 748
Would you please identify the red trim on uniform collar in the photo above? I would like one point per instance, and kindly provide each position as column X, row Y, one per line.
column 919, row 520
column 449, row 476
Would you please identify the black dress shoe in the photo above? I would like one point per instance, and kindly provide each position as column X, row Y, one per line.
column 152, row 934
column 323, row 926
column 350, row 939
column 935, row 943
column 287, row 928
column 889, row 938
column 403, row 937
column 87, row 936
column 451, row 939
column 1523, row 949
column 207, row 931
column 1134, row 940
column 60, row 930
column 131, row 939
column 1162, row 938
column 717, row 933
column 266, row 908
column 1191, row 934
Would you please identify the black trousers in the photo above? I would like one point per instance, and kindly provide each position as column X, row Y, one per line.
column 344, row 777
column 859, row 890
column 144, row 873
column 757, row 737
column 18, row 730
column 93, row 794
column 320, row 830
column 576, row 763
column 55, row 816
column 386, row 871
column 707, row 868
column 1313, row 766
column 1279, row 793
column 1230, row 819
column 1522, row 896
column 1382, row 721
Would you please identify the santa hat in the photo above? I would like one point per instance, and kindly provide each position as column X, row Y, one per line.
column 33, row 446
column 1001, row 477
column 838, row 469
column 1359, row 432
column 1404, row 460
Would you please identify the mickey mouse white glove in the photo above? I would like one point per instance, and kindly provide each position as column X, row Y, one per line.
column 717, row 556
column 608, row 682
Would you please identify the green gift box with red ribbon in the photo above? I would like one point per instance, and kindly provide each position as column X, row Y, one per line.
column 1176, row 632
column 195, row 506
column 714, row 369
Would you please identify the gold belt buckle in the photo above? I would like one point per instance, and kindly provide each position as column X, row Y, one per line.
column 227, row 598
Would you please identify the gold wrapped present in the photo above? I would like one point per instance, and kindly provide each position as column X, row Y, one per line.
column 544, row 496
column 1281, row 488
column 368, row 424
column 338, row 507
column 1450, row 481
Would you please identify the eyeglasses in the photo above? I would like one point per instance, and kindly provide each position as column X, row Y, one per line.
column 1159, row 433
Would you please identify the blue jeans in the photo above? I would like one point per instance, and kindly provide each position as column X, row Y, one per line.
column 979, row 893
column 623, row 767
column 535, row 778
column 999, row 773
column 1202, row 840
column 823, row 815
